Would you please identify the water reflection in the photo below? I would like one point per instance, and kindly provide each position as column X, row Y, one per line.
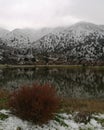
column 77, row 83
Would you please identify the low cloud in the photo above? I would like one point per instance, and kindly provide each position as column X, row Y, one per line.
column 49, row 13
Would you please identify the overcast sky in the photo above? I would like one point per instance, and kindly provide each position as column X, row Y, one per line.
column 49, row 13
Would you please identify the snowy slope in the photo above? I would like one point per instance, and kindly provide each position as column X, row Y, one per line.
column 22, row 38
column 78, row 44
column 3, row 32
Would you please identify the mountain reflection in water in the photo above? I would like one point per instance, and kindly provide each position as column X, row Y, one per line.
column 75, row 83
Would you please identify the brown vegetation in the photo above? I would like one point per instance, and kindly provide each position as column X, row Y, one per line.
column 82, row 105
column 37, row 103
column 4, row 96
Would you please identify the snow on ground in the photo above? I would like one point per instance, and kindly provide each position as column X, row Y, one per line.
column 61, row 122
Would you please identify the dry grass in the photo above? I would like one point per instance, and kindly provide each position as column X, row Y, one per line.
column 4, row 97
column 82, row 105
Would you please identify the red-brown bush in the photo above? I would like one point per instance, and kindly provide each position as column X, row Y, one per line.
column 36, row 103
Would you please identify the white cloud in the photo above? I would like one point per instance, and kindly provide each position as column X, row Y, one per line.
column 50, row 13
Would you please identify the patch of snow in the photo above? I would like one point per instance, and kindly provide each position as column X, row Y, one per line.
column 3, row 111
column 95, row 123
column 13, row 122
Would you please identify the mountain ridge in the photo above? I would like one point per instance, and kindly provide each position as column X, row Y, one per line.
column 81, row 43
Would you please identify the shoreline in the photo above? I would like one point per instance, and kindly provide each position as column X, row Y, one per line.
column 52, row 66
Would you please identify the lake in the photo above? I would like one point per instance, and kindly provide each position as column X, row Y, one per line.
column 73, row 83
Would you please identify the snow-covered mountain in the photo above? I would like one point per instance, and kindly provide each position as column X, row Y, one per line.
column 81, row 43
column 3, row 32
column 21, row 38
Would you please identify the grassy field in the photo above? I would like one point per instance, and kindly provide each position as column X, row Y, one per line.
column 70, row 105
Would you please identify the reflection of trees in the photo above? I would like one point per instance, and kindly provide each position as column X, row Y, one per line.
column 68, row 82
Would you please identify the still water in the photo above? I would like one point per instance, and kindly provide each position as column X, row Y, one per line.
column 75, row 83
